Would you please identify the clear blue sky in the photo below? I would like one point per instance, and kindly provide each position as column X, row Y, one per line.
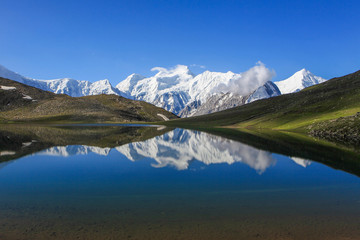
column 93, row 40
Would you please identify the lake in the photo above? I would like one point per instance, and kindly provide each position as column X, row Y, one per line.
column 140, row 182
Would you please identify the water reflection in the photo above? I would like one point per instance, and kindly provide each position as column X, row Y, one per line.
column 302, row 162
column 178, row 149
column 166, row 147
column 65, row 151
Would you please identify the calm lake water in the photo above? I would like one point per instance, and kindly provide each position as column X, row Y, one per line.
column 142, row 183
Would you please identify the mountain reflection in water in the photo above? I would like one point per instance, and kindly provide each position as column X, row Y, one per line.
column 168, row 147
column 178, row 148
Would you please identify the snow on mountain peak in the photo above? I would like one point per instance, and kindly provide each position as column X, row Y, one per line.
column 303, row 72
column 104, row 81
column 300, row 80
column 103, row 87
column 135, row 76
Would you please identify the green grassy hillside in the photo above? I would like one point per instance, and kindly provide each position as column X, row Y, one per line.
column 25, row 104
column 338, row 97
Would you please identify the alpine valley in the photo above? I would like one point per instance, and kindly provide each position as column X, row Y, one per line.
column 180, row 91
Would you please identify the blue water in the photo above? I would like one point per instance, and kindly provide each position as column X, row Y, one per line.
column 181, row 185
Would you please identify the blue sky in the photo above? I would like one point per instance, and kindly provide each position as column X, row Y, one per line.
column 93, row 40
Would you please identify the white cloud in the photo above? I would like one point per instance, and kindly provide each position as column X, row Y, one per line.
column 247, row 82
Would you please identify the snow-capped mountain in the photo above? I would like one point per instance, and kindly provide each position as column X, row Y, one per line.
column 129, row 83
column 269, row 89
column 222, row 101
column 168, row 89
column 178, row 88
column 300, row 80
column 71, row 87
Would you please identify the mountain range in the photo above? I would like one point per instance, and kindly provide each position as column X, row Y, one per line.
column 180, row 91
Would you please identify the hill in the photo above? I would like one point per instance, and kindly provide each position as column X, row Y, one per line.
column 21, row 103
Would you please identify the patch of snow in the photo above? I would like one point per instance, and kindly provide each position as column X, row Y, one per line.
column 163, row 117
column 27, row 97
column 26, row 144
column 7, row 88
column 6, row 153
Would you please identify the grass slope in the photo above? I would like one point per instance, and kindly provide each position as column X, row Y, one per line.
column 338, row 97
column 49, row 107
